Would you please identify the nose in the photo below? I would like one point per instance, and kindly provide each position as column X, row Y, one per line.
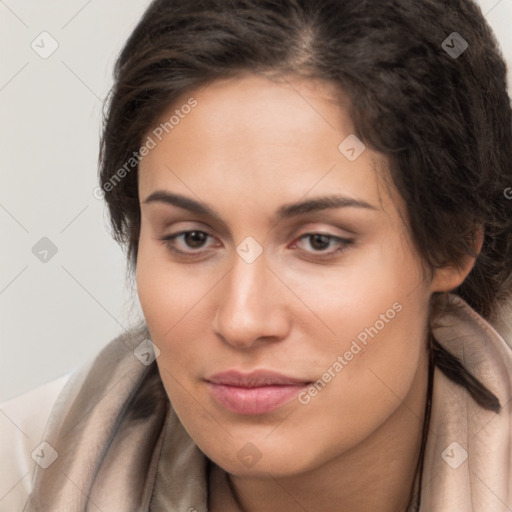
column 251, row 307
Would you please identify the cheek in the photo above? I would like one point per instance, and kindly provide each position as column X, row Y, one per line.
column 366, row 289
column 168, row 315
column 164, row 290
column 175, row 306
column 377, row 318
column 361, row 385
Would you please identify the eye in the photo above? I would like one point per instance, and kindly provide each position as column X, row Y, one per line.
column 321, row 241
column 193, row 239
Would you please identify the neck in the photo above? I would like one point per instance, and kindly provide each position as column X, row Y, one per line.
column 377, row 474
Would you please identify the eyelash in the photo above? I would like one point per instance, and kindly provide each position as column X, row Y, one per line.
column 344, row 242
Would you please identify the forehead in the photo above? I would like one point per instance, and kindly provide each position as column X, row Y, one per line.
column 253, row 135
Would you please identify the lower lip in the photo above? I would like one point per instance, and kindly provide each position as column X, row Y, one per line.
column 254, row 400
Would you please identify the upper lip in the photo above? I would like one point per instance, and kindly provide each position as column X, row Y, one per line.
column 254, row 379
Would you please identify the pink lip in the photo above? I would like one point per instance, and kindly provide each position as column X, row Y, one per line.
column 257, row 392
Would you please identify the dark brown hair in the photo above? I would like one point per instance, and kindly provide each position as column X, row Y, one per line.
column 443, row 121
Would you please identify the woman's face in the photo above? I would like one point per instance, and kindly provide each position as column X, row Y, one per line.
column 333, row 297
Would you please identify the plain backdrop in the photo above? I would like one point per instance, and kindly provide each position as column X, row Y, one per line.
column 63, row 294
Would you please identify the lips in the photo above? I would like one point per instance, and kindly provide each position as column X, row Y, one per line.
column 257, row 392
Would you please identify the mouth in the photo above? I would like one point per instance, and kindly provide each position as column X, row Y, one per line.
column 254, row 393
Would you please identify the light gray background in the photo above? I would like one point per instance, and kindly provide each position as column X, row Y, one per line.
column 58, row 314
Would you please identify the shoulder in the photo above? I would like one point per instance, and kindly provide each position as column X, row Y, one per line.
column 22, row 424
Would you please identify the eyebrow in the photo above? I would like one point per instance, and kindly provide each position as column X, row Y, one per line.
column 285, row 211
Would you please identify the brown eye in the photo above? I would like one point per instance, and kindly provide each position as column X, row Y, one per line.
column 323, row 245
column 195, row 239
column 187, row 244
column 319, row 241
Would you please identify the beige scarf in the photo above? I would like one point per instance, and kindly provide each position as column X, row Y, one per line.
column 111, row 420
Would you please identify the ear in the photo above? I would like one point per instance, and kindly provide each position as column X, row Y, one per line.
column 449, row 277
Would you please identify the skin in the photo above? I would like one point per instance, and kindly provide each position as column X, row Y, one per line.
column 249, row 146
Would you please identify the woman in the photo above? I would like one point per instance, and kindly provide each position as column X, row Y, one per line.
column 312, row 199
